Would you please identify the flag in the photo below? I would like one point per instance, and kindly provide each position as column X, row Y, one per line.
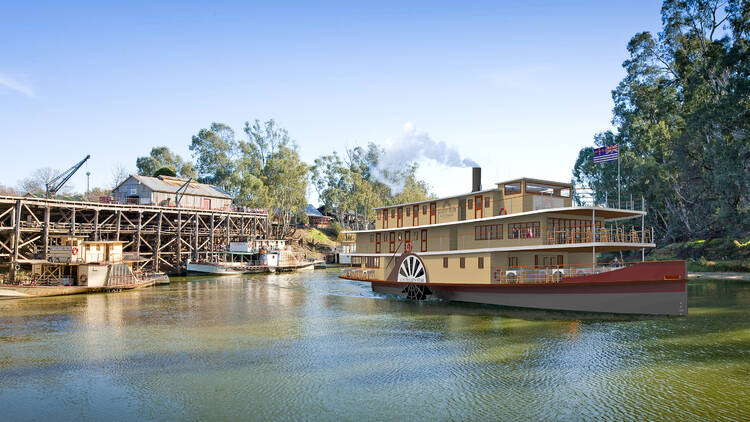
column 604, row 154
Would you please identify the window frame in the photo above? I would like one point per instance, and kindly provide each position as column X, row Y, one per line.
column 462, row 262
column 523, row 230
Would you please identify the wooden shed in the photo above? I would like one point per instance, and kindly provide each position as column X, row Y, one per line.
column 161, row 190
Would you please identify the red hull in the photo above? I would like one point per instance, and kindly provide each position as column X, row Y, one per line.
column 644, row 288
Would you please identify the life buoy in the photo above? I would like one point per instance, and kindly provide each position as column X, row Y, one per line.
column 83, row 278
column 408, row 247
column 503, row 212
column 75, row 251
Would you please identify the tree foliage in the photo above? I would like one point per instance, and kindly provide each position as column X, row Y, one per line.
column 37, row 182
column 353, row 185
column 262, row 171
column 161, row 157
column 682, row 114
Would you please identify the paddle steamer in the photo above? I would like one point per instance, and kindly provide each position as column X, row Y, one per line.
column 77, row 266
column 522, row 243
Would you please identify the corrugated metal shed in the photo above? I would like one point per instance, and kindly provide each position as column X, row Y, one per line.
column 311, row 211
column 171, row 184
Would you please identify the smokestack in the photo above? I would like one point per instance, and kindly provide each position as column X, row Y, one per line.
column 476, row 179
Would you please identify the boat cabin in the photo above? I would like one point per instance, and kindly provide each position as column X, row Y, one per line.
column 509, row 197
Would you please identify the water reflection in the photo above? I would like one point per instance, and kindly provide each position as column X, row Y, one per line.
column 310, row 346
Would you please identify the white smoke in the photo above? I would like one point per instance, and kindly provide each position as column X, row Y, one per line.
column 414, row 146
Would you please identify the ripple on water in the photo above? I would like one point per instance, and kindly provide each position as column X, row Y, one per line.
column 311, row 346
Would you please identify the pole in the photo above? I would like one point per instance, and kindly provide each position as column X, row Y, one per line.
column 618, row 177
column 643, row 228
column 593, row 241
column 16, row 239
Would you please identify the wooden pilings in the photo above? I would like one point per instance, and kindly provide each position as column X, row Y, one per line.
column 160, row 236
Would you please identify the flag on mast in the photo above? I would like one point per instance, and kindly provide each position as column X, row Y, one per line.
column 605, row 154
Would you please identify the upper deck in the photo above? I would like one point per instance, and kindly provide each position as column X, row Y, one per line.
column 514, row 197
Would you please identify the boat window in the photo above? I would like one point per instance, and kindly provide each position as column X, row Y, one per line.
column 513, row 188
column 471, row 203
column 372, row 262
column 424, row 209
column 393, row 212
column 523, row 230
column 544, row 189
column 486, row 202
column 462, row 262
column 445, row 262
column 512, row 261
column 408, row 211
column 480, row 262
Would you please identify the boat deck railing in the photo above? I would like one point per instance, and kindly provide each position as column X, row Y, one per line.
column 605, row 235
column 39, row 280
column 550, row 273
column 359, row 274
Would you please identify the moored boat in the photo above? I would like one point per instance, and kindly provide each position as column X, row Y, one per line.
column 76, row 266
column 493, row 246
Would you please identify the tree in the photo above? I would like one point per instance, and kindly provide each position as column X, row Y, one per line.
column 37, row 182
column 214, row 150
column 119, row 174
column 165, row 171
column 683, row 116
column 353, row 185
column 95, row 194
column 164, row 157
column 270, row 172
column 7, row 190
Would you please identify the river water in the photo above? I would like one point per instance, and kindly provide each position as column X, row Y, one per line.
column 311, row 346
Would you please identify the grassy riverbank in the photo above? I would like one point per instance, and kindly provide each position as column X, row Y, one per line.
column 714, row 255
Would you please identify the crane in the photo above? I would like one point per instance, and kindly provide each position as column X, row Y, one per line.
column 178, row 196
column 57, row 182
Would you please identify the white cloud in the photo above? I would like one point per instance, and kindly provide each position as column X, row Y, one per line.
column 16, row 85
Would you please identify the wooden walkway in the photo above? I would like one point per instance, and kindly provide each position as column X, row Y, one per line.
column 163, row 238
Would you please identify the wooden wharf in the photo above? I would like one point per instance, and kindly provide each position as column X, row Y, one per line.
column 159, row 238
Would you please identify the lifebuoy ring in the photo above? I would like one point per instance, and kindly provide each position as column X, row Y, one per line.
column 503, row 212
column 75, row 251
column 83, row 278
column 408, row 247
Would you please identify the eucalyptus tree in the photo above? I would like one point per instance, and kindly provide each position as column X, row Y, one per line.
column 160, row 157
column 682, row 118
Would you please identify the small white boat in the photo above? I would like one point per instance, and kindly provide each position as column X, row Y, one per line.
column 213, row 268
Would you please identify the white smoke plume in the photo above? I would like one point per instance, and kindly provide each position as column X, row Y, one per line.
column 414, row 146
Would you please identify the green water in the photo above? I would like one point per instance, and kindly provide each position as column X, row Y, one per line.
column 312, row 347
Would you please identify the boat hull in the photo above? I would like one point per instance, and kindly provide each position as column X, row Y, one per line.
column 639, row 299
column 211, row 269
column 649, row 288
column 11, row 292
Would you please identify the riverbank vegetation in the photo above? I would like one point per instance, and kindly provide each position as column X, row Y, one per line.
column 715, row 255
column 682, row 118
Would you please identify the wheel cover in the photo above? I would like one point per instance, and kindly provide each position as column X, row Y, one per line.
column 412, row 270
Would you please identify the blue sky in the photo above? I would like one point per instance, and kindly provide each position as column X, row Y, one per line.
column 518, row 87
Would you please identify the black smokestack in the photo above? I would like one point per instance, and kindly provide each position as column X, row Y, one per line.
column 476, row 179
